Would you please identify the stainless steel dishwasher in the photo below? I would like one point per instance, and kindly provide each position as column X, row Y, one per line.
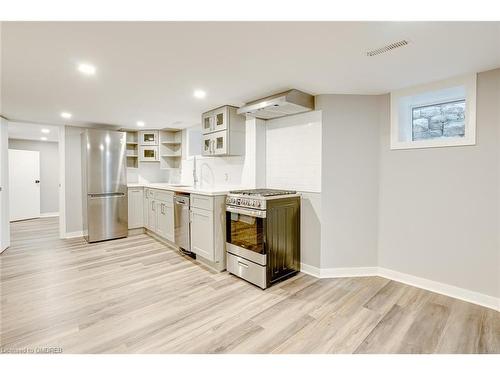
column 182, row 222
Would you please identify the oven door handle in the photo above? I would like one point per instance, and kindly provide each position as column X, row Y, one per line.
column 246, row 211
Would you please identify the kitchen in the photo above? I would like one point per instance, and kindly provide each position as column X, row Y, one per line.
column 290, row 211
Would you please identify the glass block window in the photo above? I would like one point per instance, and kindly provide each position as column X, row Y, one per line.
column 442, row 120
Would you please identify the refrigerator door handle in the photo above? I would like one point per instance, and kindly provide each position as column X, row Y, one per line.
column 106, row 195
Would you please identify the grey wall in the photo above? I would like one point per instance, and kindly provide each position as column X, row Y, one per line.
column 439, row 207
column 73, row 168
column 49, row 171
column 349, row 191
column 310, row 222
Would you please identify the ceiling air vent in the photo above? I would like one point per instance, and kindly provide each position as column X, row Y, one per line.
column 387, row 48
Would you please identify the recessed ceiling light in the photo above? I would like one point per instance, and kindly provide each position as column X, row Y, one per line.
column 43, row 138
column 140, row 124
column 200, row 94
column 66, row 115
column 45, row 131
column 87, row 69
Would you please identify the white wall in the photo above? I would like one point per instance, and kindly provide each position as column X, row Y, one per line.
column 293, row 152
column 254, row 168
column 439, row 207
column 148, row 172
column 349, row 184
column 49, row 171
column 4, row 184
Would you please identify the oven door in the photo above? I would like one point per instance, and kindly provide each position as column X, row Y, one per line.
column 245, row 233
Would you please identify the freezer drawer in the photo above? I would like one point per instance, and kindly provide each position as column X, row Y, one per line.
column 247, row 270
column 107, row 216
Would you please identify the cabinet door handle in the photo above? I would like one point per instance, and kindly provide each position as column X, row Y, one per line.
column 242, row 264
column 153, row 206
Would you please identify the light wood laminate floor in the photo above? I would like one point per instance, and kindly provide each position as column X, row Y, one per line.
column 136, row 295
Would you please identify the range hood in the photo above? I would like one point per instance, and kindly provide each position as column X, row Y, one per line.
column 286, row 103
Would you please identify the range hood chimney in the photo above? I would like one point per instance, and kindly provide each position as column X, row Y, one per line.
column 286, row 103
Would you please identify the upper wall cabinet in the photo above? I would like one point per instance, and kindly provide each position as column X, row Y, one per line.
column 223, row 132
column 148, row 138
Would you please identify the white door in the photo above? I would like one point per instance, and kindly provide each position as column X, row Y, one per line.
column 202, row 233
column 24, row 184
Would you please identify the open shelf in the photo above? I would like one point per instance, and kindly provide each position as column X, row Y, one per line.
column 170, row 149
column 132, row 162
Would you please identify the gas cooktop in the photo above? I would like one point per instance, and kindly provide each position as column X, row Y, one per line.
column 262, row 192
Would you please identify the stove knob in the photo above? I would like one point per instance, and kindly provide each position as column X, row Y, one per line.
column 256, row 203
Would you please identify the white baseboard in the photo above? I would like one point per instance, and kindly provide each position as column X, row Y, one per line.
column 441, row 288
column 348, row 272
column 338, row 272
column 419, row 282
column 49, row 214
column 78, row 233
column 310, row 270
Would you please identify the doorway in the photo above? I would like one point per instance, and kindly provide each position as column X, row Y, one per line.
column 34, row 175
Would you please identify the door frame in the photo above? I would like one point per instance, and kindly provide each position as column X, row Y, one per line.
column 4, row 179
column 4, row 147
column 62, row 181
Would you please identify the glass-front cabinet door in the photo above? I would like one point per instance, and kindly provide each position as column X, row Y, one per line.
column 220, row 118
column 148, row 138
column 220, row 143
column 206, row 122
column 207, row 145
column 148, row 153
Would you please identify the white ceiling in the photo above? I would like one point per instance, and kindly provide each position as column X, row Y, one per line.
column 24, row 130
column 148, row 70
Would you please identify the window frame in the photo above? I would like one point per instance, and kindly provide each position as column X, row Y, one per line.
column 399, row 131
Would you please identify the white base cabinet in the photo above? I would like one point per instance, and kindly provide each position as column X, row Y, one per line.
column 159, row 213
column 135, row 208
column 153, row 209
column 165, row 220
column 208, row 235
column 202, row 233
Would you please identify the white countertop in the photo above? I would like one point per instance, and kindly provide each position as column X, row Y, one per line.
column 221, row 190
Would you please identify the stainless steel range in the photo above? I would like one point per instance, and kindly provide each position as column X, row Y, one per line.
column 263, row 235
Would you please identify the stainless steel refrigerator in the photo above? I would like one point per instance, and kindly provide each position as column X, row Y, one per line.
column 104, row 185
